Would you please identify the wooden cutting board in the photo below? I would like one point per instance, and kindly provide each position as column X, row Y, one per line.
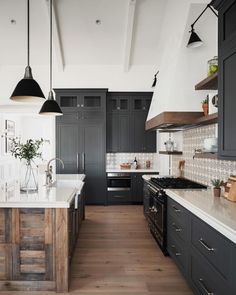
column 230, row 189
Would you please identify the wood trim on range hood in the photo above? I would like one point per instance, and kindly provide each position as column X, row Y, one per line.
column 173, row 120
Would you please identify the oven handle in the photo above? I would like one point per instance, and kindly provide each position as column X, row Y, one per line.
column 118, row 189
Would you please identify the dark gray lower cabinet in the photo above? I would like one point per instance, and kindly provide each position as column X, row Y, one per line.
column 205, row 257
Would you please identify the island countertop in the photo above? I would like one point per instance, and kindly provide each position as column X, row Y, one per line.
column 60, row 195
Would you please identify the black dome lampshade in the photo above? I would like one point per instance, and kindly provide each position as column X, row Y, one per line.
column 28, row 90
column 194, row 40
column 50, row 107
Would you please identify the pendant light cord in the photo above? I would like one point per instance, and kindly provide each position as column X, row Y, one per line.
column 28, row 33
column 50, row 45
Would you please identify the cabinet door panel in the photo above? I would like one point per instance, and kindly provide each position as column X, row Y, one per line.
column 139, row 132
column 95, row 187
column 93, row 142
column 124, row 133
column 112, row 132
column 67, row 148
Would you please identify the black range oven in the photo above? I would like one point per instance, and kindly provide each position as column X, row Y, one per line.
column 155, row 204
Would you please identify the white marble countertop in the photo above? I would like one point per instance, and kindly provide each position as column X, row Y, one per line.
column 59, row 195
column 217, row 212
column 151, row 170
column 74, row 177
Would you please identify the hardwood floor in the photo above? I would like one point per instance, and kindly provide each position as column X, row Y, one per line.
column 117, row 255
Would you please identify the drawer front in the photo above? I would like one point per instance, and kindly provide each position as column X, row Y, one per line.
column 205, row 279
column 177, row 211
column 175, row 228
column 212, row 245
column 178, row 252
column 119, row 197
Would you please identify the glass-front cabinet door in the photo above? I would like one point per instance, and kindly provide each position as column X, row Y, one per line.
column 91, row 101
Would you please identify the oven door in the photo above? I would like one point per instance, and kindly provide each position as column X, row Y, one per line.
column 158, row 214
column 116, row 182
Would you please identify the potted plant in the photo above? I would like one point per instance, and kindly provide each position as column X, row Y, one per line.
column 205, row 106
column 27, row 153
column 217, row 183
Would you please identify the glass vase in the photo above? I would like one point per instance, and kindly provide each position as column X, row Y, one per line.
column 29, row 177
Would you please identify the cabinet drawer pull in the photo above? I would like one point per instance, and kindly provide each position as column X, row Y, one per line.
column 177, row 229
column 201, row 241
column 176, row 253
column 176, row 209
column 205, row 288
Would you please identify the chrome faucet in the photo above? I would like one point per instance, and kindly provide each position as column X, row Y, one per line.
column 49, row 170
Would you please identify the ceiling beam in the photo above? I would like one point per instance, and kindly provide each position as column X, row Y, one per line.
column 57, row 44
column 129, row 34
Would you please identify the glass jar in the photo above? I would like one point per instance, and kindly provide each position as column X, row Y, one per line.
column 212, row 66
column 169, row 144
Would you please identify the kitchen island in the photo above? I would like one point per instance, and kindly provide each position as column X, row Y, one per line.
column 38, row 233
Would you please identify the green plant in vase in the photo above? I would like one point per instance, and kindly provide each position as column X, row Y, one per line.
column 205, row 106
column 27, row 153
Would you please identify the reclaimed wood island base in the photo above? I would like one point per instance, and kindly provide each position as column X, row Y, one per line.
column 36, row 245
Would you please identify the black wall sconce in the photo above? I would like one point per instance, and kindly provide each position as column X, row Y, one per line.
column 194, row 40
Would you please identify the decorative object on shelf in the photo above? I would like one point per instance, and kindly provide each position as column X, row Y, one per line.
column 169, row 145
column 217, row 184
column 230, row 189
column 155, row 79
column 205, row 106
column 181, row 168
column 148, row 164
column 135, row 163
column 125, row 166
column 50, row 106
column 210, row 145
column 9, row 134
column 194, row 40
column 28, row 90
column 27, row 153
column 213, row 103
column 212, row 66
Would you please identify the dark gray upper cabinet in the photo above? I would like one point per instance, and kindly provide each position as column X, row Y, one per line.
column 226, row 80
column 126, row 117
column 81, row 99
column 81, row 138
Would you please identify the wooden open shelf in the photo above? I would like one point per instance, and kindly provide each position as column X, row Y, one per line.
column 207, row 120
column 206, row 155
column 171, row 153
column 209, row 83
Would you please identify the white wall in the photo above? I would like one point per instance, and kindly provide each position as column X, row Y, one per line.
column 181, row 67
column 139, row 78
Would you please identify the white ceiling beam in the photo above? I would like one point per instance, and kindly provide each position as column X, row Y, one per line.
column 129, row 34
column 57, row 44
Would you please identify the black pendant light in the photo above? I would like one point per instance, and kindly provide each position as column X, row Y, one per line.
column 28, row 90
column 194, row 40
column 50, row 106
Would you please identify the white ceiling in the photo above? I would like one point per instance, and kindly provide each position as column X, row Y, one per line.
column 82, row 41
